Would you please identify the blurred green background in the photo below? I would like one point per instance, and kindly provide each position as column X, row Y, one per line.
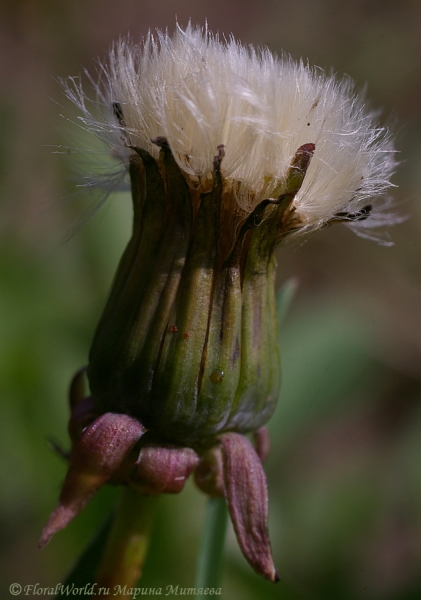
column 345, row 469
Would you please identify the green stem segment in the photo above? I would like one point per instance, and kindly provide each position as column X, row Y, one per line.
column 128, row 542
column 209, row 564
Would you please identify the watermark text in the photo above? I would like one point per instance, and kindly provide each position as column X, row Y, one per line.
column 92, row 589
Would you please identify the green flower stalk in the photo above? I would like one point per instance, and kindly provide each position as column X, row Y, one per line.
column 230, row 152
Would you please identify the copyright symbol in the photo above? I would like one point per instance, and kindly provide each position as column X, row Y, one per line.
column 15, row 589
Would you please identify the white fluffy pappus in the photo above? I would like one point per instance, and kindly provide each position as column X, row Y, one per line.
column 199, row 91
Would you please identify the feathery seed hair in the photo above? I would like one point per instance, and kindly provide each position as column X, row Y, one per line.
column 199, row 92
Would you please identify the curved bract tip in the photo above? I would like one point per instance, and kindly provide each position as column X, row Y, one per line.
column 247, row 499
column 97, row 456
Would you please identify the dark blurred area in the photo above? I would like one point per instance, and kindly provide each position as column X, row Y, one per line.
column 345, row 470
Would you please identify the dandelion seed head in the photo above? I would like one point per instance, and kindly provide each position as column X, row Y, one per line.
column 200, row 91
